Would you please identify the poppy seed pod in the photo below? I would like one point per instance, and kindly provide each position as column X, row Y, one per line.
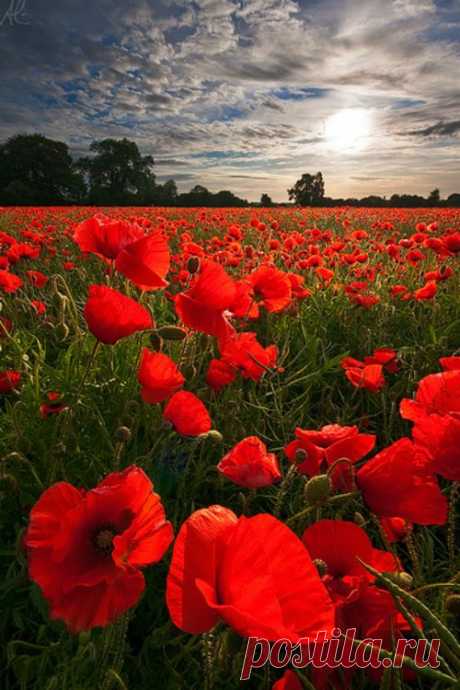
column 123, row 434
column 193, row 265
column 300, row 455
column 318, row 489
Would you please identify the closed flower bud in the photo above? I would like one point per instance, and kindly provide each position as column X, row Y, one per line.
column 318, row 489
column 402, row 579
column 215, row 435
column 453, row 604
column 123, row 434
column 359, row 519
column 193, row 264
column 171, row 333
column 321, row 566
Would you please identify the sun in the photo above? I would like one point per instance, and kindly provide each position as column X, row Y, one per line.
column 348, row 130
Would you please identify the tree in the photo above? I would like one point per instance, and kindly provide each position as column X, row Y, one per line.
column 266, row 201
column 118, row 173
column 453, row 200
column 308, row 191
column 434, row 198
column 37, row 170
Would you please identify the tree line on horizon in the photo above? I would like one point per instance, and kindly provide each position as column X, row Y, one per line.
column 35, row 170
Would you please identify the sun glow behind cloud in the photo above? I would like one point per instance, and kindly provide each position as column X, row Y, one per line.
column 349, row 130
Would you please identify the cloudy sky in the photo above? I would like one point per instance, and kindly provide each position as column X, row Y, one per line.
column 245, row 95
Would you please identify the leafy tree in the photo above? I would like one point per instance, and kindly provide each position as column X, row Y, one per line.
column 266, row 201
column 434, row 198
column 118, row 173
column 308, row 191
column 164, row 194
column 37, row 170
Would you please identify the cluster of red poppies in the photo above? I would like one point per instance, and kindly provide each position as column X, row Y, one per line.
column 86, row 549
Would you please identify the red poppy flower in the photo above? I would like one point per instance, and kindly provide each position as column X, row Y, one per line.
column 106, row 237
column 327, row 445
column 399, row 481
column 9, row 380
column 369, row 376
column 85, row 549
column 436, row 413
column 428, row 291
column 249, row 464
column 38, row 307
column 395, row 528
column 436, row 394
column 273, row 286
column 202, row 306
column 37, row 278
column 187, row 414
column 253, row 573
column 158, row 376
column 220, row 374
column 450, row 363
column 110, row 315
column 385, row 356
column 9, row 282
column 53, row 405
column 339, row 544
column 145, row 261
column 243, row 352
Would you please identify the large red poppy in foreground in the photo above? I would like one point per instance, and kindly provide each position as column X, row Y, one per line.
column 85, row 549
column 253, row 573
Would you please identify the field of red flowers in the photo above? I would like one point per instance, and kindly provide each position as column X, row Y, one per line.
column 225, row 424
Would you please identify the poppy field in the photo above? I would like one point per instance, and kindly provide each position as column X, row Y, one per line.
column 226, row 424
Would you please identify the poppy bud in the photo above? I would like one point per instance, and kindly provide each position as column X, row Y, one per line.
column 453, row 604
column 321, row 566
column 10, row 481
column 171, row 333
column 214, row 435
column 193, row 264
column 359, row 519
column 123, row 434
column 402, row 579
column 155, row 341
column 318, row 489
column 300, row 456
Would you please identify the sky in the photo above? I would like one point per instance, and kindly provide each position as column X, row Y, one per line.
column 245, row 95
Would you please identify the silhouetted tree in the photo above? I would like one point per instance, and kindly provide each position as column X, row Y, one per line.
column 453, row 200
column 118, row 173
column 266, row 201
column 308, row 191
column 37, row 170
column 434, row 198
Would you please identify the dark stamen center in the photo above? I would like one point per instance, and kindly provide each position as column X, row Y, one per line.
column 103, row 540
